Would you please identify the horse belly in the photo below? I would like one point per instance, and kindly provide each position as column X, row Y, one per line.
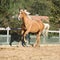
column 34, row 28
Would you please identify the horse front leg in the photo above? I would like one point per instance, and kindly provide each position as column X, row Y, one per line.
column 26, row 41
column 21, row 42
column 23, row 38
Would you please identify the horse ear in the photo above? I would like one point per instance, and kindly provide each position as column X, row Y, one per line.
column 26, row 12
column 21, row 10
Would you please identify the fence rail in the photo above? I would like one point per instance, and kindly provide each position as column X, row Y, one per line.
column 54, row 31
column 8, row 29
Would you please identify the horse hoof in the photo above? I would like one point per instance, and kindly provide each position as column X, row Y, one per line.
column 28, row 45
column 36, row 45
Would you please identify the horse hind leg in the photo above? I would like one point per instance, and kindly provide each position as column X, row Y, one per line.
column 37, row 44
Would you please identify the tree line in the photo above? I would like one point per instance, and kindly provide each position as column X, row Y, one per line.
column 9, row 8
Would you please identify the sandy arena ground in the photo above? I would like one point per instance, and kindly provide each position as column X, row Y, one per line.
column 44, row 52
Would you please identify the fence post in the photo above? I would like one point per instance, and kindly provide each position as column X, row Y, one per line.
column 59, row 35
column 8, row 34
column 44, row 39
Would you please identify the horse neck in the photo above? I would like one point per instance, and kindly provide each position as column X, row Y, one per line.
column 26, row 21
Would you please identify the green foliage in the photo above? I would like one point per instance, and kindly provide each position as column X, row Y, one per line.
column 40, row 7
column 9, row 8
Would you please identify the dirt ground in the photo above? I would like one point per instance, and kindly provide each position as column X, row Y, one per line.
column 44, row 52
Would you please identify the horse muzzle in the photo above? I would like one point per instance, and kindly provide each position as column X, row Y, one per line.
column 19, row 18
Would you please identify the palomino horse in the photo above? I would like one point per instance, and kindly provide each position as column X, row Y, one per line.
column 33, row 26
column 44, row 19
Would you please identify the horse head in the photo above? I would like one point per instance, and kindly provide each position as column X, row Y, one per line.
column 22, row 13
